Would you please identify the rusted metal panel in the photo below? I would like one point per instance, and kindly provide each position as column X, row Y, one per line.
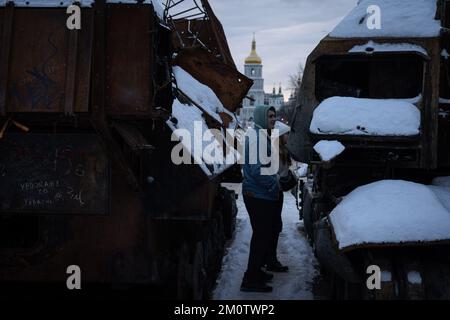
column 203, row 30
column 203, row 51
column 133, row 137
column 84, row 62
column 109, row 249
column 218, row 34
column 200, row 202
column 130, row 55
column 100, row 122
column 444, row 108
column 197, row 205
column 228, row 84
column 6, row 18
column 163, row 80
column 444, row 13
column 98, row 62
column 38, row 82
column 71, row 73
column 200, row 30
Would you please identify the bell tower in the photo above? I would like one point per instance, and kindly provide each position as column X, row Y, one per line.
column 253, row 70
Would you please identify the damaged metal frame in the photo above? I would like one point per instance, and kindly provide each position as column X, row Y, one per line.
column 171, row 18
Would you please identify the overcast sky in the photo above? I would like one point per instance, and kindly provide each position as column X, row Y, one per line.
column 286, row 31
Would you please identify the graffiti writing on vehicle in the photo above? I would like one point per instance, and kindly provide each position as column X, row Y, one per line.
column 38, row 89
column 66, row 160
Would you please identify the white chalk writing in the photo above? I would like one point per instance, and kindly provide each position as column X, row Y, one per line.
column 39, row 185
column 36, row 203
column 75, row 195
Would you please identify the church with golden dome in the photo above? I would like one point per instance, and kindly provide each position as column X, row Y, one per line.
column 253, row 69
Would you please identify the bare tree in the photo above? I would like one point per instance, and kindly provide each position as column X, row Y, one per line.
column 295, row 81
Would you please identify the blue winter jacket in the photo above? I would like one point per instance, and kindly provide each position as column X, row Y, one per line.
column 254, row 184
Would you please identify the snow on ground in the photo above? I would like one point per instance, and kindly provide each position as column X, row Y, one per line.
column 328, row 150
column 356, row 116
column 392, row 211
column 371, row 47
column 293, row 250
column 399, row 18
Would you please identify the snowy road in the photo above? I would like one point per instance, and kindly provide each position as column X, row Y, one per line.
column 293, row 250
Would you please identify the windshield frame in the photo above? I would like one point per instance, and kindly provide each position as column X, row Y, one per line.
column 364, row 57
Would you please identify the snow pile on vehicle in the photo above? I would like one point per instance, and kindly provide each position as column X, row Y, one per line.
column 188, row 117
column 282, row 128
column 441, row 188
column 301, row 170
column 157, row 5
column 371, row 47
column 202, row 142
column 441, row 182
column 199, row 93
column 399, row 18
column 328, row 150
column 373, row 117
column 414, row 277
column 391, row 212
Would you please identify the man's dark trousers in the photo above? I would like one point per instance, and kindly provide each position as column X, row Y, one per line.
column 261, row 212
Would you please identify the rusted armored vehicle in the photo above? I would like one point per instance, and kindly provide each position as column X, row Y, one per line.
column 87, row 117
column 373, row 125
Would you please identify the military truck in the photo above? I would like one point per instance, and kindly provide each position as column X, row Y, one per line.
column 376, row 98
column 86, row 117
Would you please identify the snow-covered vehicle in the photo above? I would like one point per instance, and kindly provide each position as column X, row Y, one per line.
column 373, row 125
column 86, row 119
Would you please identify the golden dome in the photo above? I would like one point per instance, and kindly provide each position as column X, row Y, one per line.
column 253, row 58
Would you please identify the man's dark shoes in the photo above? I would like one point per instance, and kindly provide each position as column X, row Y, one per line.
column 265, row 276
column 255, row 283
column 276, row 267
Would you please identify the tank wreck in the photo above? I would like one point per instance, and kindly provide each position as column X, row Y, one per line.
column 87, row 118
column 373, row 125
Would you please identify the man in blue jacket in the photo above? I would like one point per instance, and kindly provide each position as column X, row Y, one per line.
column 261, row 193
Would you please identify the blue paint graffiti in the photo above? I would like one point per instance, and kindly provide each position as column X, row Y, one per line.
column 39, row 90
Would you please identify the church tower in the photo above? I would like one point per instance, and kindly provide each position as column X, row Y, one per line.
column 253, row 70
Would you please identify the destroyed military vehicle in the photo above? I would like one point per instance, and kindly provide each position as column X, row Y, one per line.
column 86, row 118
column 373, row 124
